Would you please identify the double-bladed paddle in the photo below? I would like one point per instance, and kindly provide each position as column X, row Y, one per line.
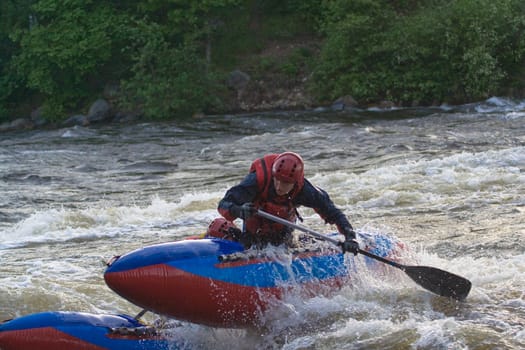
column 435, row 280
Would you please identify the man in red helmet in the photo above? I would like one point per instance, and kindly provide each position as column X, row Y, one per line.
column 276, row 184
column 222, row 228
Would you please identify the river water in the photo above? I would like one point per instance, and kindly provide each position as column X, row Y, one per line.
column 449, row 182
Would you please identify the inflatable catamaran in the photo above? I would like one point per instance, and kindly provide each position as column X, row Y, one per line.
column 215, row 282
column 79, row 331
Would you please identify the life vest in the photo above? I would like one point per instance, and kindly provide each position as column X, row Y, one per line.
column 281, row 206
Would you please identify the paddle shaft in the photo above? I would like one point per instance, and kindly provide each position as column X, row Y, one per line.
column 435, row 280
column 323, row 237
column 298, row 227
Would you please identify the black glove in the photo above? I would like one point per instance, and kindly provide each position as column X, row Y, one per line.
column 244, row 211
column 350, row 244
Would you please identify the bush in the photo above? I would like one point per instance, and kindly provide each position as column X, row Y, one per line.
column 64, row 55
column 462, row 50
column 168, row 81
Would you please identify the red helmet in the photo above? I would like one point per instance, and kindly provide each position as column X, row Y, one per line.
column 219, row 228
column 288, row 167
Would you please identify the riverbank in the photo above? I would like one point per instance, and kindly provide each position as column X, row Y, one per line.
column 278, row 78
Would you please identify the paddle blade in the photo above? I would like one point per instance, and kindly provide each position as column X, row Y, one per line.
column 439, row 282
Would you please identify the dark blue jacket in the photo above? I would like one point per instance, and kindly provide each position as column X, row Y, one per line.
column 310, row 196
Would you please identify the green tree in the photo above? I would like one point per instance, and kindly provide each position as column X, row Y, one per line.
column 190, row 21
column 63, row 55
column 13, row 15
column 353, row 53
column 483, row 44
column 167, row 80
column 460, row 50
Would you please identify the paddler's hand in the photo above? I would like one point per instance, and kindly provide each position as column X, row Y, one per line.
column 244, row 211
column 350, row 244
